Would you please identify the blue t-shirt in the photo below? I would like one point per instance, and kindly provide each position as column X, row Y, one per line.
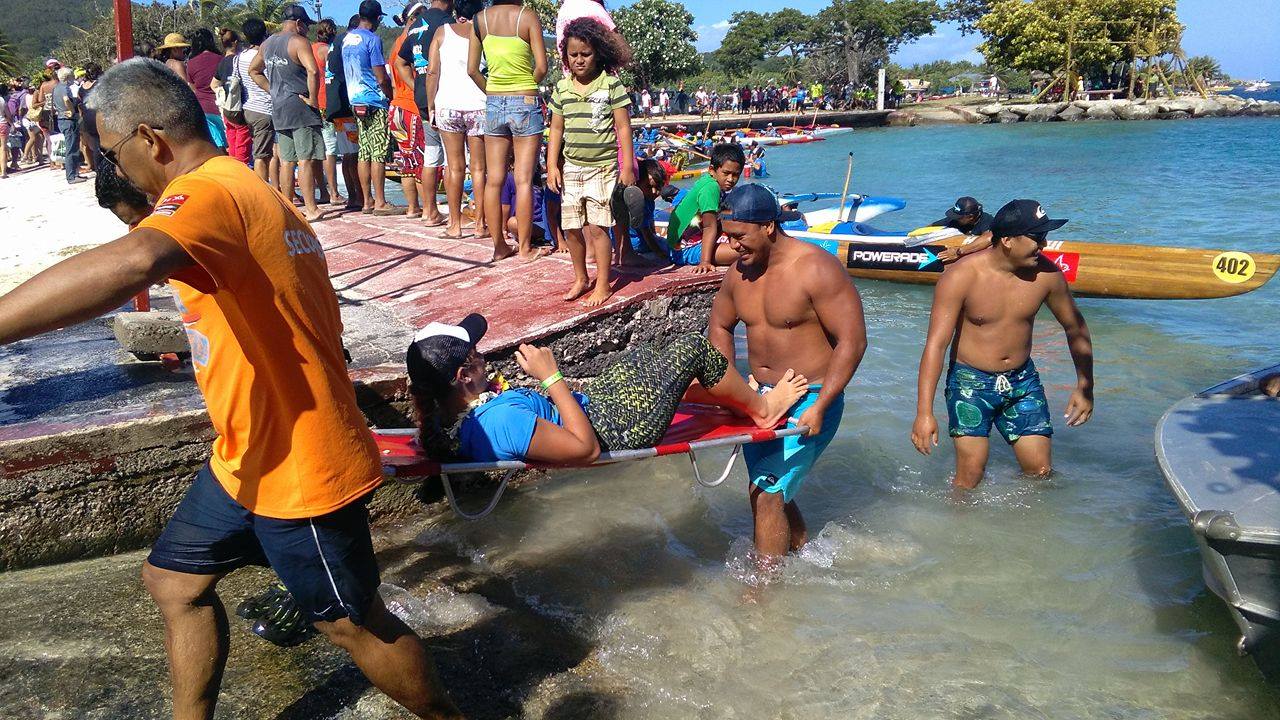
column 502, row 428
column 508, row 197
column 361, row 53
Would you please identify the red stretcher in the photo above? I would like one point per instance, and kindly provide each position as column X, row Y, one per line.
column 695, row 427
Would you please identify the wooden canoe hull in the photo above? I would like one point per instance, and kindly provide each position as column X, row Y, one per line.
column 1142, row 272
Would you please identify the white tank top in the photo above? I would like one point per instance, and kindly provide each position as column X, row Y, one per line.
column 457, row 90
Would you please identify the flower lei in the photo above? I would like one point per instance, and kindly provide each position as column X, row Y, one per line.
column 497, row 384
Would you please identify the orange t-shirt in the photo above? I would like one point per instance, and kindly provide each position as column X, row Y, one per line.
column 401, row 91
column 320, row 51
column 266, row 345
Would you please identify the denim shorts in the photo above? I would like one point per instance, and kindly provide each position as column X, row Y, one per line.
column 325, row 562
column 513, row 115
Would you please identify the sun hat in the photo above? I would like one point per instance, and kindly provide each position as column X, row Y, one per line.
column 174, row 40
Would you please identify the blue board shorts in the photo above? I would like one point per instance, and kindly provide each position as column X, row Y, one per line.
column 1011, row 401
column 325, row 562
column 780, row 466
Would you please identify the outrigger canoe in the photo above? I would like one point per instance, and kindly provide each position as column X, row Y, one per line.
column 1092, row 269
column 1219, row 451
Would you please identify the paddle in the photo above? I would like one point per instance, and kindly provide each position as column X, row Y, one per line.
column 848, row 175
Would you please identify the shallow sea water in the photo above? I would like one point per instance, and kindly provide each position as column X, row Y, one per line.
column 1075, row 597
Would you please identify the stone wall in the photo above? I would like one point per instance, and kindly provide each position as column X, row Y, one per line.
column 1154, row 109
column 110, row 485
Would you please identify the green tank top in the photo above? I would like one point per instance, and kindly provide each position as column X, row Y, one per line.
column 509, row 58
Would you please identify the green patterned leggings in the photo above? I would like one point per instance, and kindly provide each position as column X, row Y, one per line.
column 633, row 401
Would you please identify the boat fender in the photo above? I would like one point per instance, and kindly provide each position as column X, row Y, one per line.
column 1215, row 525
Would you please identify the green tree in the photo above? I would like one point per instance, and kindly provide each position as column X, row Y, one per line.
column 754, row 37
column 1034, row 35
column 8, row 57
column 863, row 33
column 661, row 36
column 967, row 13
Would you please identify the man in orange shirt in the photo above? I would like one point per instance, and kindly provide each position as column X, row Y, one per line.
column 419, row 151
column 293, row 465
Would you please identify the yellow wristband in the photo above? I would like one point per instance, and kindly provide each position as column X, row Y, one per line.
column 555, row 378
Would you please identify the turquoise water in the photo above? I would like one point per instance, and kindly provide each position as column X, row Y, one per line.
column 1079, row 597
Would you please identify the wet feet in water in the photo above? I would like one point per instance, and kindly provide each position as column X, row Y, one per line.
column 777, row 401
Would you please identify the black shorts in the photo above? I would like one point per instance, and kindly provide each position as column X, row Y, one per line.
column 325, row 562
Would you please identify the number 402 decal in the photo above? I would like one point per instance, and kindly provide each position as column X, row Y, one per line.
column 1233, row 267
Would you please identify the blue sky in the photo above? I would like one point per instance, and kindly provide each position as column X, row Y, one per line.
column 1244, row 35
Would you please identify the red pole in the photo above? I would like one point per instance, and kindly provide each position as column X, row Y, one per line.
column 124, row 29
column 124, row 51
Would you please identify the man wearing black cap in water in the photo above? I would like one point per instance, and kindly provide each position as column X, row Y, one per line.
column 985, row 309
column 802, row 312
column 968, row 217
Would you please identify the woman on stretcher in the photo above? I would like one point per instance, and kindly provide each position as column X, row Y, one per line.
column 463, row 414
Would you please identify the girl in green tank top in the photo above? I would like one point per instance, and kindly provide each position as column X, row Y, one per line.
column 516, row 61
column 509, row 36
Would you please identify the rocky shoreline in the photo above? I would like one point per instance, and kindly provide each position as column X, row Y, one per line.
column 1141, row 109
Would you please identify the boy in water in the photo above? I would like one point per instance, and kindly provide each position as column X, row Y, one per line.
column 985, row 307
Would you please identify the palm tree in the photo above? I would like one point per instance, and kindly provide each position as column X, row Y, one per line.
column 8, row 57
column 269, row 11
column 1204, row 67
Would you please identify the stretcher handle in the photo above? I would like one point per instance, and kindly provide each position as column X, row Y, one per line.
column 728, row 467
column 493, row 502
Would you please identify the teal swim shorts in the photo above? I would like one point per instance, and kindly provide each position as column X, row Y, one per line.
column 1011, row 401
column 780, row 466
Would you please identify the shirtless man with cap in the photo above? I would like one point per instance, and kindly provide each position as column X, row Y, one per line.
column 802, row 312
column 985, row 307
column 968, row 217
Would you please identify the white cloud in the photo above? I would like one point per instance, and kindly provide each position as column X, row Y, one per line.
column 710, row 36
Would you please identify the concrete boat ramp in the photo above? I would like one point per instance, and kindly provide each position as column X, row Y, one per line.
column 96, row 448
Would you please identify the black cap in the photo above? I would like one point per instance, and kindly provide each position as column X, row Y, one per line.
column 754, row 203
column 1022, row 217
column 371, row 10
column 669, row 193
column 964, row 206
column 296, row 12
column 438, row 350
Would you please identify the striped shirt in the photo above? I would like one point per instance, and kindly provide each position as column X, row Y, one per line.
column 589, row 135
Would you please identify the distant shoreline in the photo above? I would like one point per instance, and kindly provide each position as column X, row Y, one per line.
column 968, row 111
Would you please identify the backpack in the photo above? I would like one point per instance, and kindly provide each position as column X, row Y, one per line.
column 231, row 101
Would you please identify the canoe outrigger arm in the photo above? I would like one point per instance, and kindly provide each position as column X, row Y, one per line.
column 695, row 428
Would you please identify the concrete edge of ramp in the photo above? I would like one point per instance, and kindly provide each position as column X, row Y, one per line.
column 97, row 485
